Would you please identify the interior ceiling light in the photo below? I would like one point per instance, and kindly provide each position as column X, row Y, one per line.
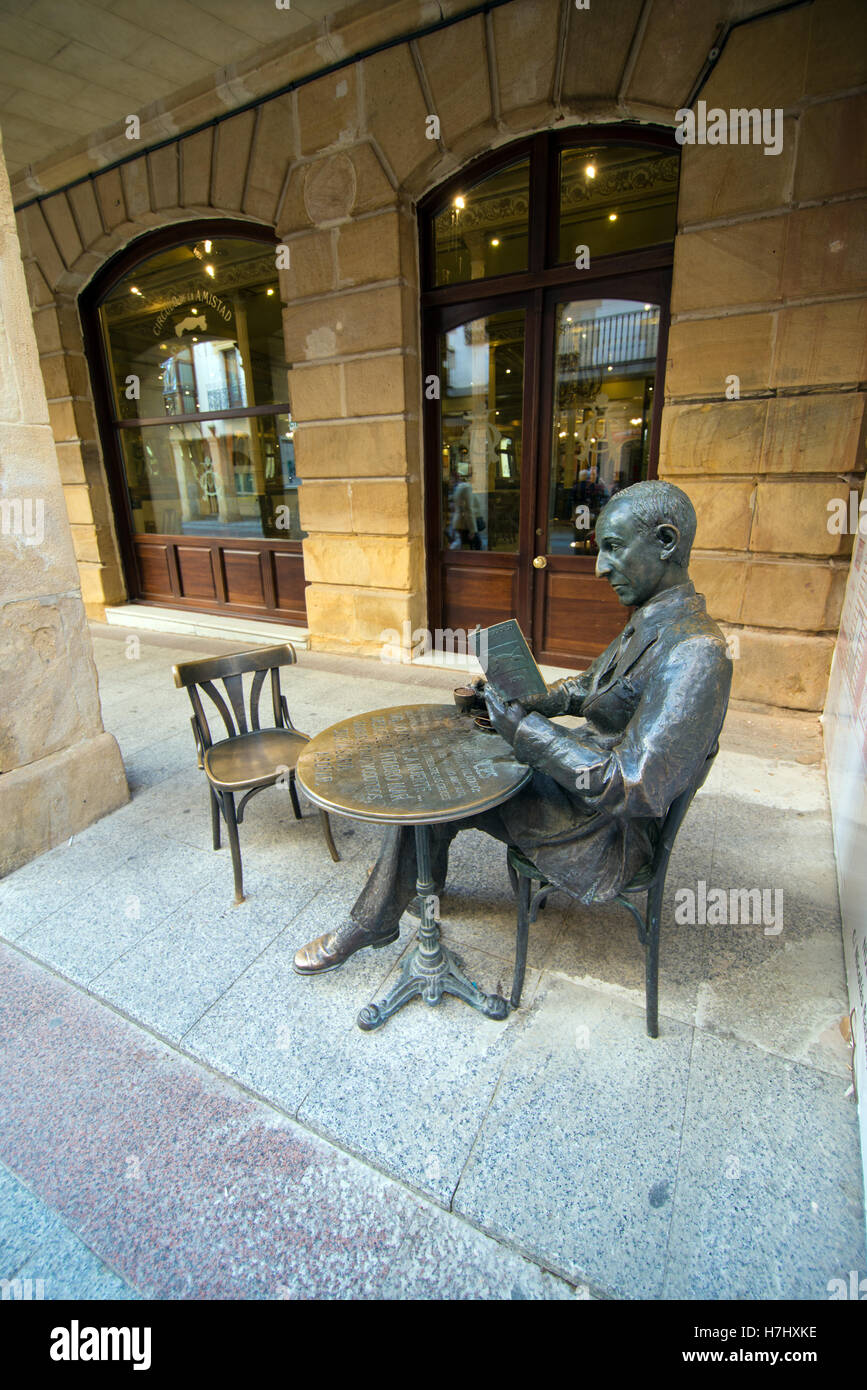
column 636, row 420
column 459, row 201
column 134, row 289
column 209, row 270
column 647, row 307
column 590, row 171
column 269, row 291
column 495, row 241
column 612, row 217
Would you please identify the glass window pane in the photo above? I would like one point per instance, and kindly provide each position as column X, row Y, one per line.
column 213, row 478
column 197, row 328
column 616, row 198
column 485, row 229
column 604, row 372
column 481, row 413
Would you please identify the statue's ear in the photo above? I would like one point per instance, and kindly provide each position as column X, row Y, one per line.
column 669, row 536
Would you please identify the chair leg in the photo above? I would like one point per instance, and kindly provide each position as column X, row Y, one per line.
column 293, row 795
column 215, row 818
column 651, row 959
column 234, row 845
column 521, row 941
column 329, row 838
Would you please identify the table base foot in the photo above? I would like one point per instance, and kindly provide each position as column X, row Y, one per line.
column 429, row 978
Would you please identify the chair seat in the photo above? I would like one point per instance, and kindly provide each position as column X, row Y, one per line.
column 252, row 760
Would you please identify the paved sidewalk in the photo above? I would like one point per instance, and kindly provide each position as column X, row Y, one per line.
column 718, row 1161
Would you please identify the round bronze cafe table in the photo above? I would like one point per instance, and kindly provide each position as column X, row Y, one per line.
column 414, row 765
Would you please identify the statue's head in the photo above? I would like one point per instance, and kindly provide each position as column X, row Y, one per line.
column 645, row 535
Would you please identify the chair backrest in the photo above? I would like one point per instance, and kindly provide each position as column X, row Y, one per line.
column 230, row 670
column 677, row 811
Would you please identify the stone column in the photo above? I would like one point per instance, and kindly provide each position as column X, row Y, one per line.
column 59, row 770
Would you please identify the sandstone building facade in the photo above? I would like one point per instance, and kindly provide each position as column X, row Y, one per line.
column 347, row 151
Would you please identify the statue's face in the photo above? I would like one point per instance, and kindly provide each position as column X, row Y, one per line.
column 636, row 564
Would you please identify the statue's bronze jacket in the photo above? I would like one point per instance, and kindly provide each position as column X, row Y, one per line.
column 654, row 701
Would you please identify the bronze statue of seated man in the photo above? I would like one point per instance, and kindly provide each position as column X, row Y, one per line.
column 654, row 702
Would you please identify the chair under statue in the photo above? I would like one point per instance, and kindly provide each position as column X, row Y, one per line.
column 249, row 758
column 650, row 880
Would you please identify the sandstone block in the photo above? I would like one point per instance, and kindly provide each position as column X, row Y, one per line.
column 85, row 208
column 46, row 326
column 820, row 344
column 525, row 40
column 59, row 217
column 721, row 580
column 328, row 111
column 826, row 251
column 376, row 385
column 723, row 437
column 722, row 267
column 326, row 507
column 702, row 353
column 311, row 267
column 344, row 324
column 135, row 188
column 381, row 562
column 724, row 180
column 814, row 434
column 164, row 177
column 832, row 149
column 369, row 249
column 35, row 232
column 597, row 46
column 834, row 62
column 195, row 157
column 233, row 139
column 792, row 518
column 357, row 449
column 456, row 66
column 85, row 540
column 78, row 505
column 381, row 508
column 724, row 513
column 47, row 801
column 793, row 594
column 782, row 669
column 48, row 679
column 316, row 393
column 762, row 65
column 273, row 148
column 396, row 110
column 109, row 192
column 674, row 46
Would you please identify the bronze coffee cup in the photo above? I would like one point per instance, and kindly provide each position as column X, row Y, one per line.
column 466, row 698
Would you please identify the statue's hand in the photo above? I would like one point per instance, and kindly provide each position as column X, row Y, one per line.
column 504, row 715
column 549, row 704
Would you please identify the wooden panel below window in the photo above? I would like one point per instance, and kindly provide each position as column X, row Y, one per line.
column 289, row 584
column 480, row 593
column 580, row 615
column 243, row 572
column 196, row 570
column 153, row 568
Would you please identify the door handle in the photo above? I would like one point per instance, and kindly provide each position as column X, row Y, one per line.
column 540, row 562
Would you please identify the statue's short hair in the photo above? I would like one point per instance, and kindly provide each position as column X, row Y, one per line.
column 657, row 503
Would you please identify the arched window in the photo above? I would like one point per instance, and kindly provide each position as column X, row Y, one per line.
column 546, row 274
column 196, row 420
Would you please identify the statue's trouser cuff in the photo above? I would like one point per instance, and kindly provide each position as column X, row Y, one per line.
column 391, row 885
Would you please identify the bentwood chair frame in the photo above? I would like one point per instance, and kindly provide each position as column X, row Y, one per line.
column 249, row 758
column 649, row 880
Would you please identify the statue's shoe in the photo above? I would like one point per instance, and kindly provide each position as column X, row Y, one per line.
column 332, row 949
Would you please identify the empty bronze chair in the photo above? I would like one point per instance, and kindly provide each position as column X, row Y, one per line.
column 250, row 758
column 650, row 880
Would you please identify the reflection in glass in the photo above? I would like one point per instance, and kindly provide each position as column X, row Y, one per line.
column 196, row 329
column 485, row 229
column 213, row 478
column 603, row 398
column 616, row 198
column 481, row 415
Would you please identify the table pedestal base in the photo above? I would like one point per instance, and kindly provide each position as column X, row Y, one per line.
column 430, row 970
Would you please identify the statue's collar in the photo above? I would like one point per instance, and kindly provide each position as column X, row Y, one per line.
column 658, row 610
